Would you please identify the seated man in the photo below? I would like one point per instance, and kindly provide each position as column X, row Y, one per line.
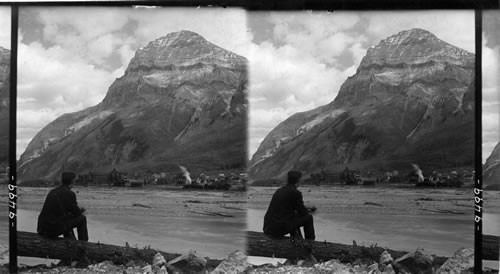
column 60, row 212
column 287, row 213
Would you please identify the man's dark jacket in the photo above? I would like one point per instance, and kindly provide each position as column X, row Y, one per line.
column 60, row 206
column 285, row 205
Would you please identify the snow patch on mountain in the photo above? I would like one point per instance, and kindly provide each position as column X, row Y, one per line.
column 318, row 120
column 87, row 120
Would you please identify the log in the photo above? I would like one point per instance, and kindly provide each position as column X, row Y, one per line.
column 490, row 247
column 33, row 245
column 259, row 244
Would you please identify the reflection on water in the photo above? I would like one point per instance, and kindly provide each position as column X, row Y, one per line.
column 213, row 237
column 440, row 235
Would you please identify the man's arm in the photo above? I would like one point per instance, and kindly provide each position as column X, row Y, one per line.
column 71, row 204
column 300, row 204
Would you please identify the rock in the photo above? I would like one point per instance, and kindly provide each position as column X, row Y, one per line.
column 4, row 254
column 147, row 269
column 373, row 269
column 385, row 258
column 461, row 262
column 196, row 263
column 163, row 270
column 334, row 266
column 418, row 262
column 160, row 270
column 236, row 262
column 387, row 269
column 309, row 261
column 159, row 260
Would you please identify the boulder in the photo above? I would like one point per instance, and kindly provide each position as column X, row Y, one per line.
column 385, row 258
column 334, row 266
column 417, row 262
column 159, row 260
column 160, row 270
column 387, row 269
column 236, row 262
column 461, row 262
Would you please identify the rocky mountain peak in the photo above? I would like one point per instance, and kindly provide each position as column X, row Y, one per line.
column 412, row 36
column 180, row 38
column 181, row 49
column 177, row 59
column 414, row 47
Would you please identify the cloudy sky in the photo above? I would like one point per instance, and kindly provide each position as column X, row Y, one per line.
column 5, row 27
column 491, row 85
column 68, row 57
column 299, row 60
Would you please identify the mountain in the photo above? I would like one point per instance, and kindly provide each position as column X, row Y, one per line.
column 181, row 101
column 491, row 169
column 411, row 100
column 4, row 106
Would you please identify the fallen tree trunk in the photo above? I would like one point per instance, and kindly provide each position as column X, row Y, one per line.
column 33, row 245
column 259, row 244
column 490, row 247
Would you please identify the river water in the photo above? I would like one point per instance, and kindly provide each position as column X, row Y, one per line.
column 208, row 236
column 440, row 235
column 217, row 237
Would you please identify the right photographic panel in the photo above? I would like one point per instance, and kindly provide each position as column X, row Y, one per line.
column 361, row 141
column 491, row 137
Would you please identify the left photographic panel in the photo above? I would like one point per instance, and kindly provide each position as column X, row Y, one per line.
column 131, row 133
column 5, row 23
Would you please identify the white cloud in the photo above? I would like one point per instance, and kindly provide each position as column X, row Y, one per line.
column 52, row 82
column 5, row 20
column 299, row 68
column 320, row 35
column 65, row 24
column 284, row 81
column 92, row 33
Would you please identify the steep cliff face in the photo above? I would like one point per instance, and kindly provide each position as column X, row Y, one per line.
column 182, row 100
column 411, row 100
column 491, row 169
column 4, row 106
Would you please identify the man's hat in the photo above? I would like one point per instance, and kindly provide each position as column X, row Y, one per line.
column 294, row 175
column 67, row 177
